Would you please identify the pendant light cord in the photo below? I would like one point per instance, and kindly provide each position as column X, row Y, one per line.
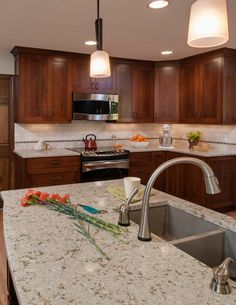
column 98, row 28
column 98, row 8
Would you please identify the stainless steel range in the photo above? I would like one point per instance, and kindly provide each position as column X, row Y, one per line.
column 103, row 164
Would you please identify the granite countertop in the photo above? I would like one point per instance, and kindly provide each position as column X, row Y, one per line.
column 215, row 150
column 52, row 264
column 54, row 152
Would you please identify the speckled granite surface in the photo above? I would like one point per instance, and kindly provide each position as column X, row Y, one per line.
column 215, row 150
column 52, row 264
column 179, row 146
column 59, row 152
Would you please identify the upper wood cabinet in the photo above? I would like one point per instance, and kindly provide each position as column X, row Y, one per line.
column 208, row 91
column 83, row 83
column 135, row 86
column 43, row 86
column 166, row 96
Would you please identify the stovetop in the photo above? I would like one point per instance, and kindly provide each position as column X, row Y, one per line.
column 100, row 152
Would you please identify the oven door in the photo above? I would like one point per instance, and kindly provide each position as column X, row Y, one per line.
column 104, row 170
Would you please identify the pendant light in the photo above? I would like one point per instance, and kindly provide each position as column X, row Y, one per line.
column 99, row 61
column 208, row 24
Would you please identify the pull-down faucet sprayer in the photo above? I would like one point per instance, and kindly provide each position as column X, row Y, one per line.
column 211, row 182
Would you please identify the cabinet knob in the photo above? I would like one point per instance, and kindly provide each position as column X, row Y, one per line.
column 55, row 162
column 135, row 115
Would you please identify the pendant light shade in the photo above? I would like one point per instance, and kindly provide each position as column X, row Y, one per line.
column 208, row 24
column 99, row 61
column 100, row 64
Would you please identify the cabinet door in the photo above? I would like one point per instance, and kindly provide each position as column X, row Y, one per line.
column 141, row 165
column 189, row 93
column 174, row 177
column 224, row 170
column 31, row 88
column 143, row 92
column 124, row 90
column 157, row 159
column 229, row 92
column 211, row 90
column 82, row 82
column 59, row 102
column 167, row 86
column 185, row 180
column 106, row 85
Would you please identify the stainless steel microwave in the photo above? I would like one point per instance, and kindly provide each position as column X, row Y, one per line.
column 95, row 107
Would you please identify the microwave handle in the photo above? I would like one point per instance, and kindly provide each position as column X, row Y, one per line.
column 109, row 101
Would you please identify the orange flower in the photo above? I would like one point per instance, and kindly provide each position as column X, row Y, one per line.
column 65, row 199
column 44, row 196
column 56, row 197
column 24, row 202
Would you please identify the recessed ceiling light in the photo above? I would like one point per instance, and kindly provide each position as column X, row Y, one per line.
column 167, row 52
column 90, row 43
column 158, row 4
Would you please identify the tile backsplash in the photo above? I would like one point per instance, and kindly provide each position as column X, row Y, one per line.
column 65, row 135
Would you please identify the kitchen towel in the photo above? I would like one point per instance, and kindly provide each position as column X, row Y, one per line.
column 118, row 191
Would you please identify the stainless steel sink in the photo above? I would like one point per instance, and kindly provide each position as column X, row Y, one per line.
column 211, row 248
column 171, row 223
column 199, row 238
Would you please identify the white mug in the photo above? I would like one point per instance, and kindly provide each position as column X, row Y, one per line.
column 130, row 183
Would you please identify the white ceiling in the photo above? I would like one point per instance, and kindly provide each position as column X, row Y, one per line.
column 131, row 30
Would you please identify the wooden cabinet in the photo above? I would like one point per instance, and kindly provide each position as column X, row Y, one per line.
column 43, row 86
column 35, row 172
column 166, row 92
column 124, row 90
column 7, row 134
column 135, row 86
column 186, row 181
column 208, row 89
column 83, row 83
column 225, row 170
column 143, row 164
column 201, row 91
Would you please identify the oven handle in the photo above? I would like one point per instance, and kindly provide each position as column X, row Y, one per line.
column 95, row 165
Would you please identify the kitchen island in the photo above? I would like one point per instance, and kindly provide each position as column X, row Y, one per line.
column 51, row 263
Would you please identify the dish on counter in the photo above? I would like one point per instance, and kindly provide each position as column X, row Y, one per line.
column 139, row 144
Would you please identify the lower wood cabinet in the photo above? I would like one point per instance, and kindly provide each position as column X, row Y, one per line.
column 186, row 181
column 35, row 172
column 143, row 164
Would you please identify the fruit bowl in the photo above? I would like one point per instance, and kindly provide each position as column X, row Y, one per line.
column 139, row 144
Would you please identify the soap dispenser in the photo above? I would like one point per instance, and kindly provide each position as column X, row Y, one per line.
column 220, row 278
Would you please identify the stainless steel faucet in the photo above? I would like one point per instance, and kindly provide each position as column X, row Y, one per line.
column 211, row 182
column 124, row 210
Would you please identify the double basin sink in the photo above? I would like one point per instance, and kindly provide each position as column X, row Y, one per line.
column 199, row 238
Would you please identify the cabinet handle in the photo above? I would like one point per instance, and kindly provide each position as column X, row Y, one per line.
column 92, row 85
column 55, row 162
column 53, row 178
column 96, row 86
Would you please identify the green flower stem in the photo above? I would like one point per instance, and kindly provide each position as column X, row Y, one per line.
column 80, row 217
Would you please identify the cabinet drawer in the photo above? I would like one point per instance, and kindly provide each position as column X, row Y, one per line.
column 52, row 165
column 140, row 159
column 37, row 180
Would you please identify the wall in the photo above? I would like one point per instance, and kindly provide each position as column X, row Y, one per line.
column 6, row 63
column 65, row 135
